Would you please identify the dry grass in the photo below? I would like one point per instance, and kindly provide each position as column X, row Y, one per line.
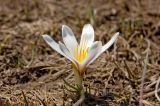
column 31, row 73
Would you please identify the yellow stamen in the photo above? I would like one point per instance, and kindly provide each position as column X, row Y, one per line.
column 81, row 53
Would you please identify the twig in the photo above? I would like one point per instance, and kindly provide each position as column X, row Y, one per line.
column 41, row 99
column 109, row 78
column 126, row 74
column 147, row 88
column 130, row 74
column 144, row 73
column 156, row 90
column 32, row 58
column 150, row 94
column 25, row 99
column 70, row 75
column 80, row 101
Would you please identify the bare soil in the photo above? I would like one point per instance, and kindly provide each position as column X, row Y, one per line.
column 31, row 72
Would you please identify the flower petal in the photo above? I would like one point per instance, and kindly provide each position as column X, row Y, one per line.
column 96, row 56
column 67, row 53
column 52, row 44
column 69, row 39
column 87, row 36
column 94, row 50
column 105, row 47
column 112, row 40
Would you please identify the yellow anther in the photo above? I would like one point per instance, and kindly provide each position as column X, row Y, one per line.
column 81, row 53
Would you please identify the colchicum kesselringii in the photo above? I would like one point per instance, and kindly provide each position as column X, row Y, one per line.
column 83, row 54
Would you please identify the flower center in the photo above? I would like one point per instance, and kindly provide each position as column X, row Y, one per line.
column 81, row 53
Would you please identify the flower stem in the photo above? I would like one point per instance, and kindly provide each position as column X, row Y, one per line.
column 79, row 83
column 79, row 80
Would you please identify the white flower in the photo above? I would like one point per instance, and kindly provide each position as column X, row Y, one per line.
column 83, row 54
